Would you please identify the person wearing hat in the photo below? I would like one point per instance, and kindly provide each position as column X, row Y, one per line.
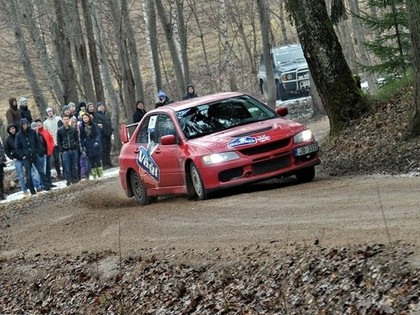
column 29, row 149
column 105, row 126
column 10, row 150
column 25, row 112
column 190, row 92
column 13, row 113
column 52, row 123
column 163, row 99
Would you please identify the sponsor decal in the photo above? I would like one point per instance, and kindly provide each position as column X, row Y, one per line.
column 241, row 141
column 148, row 170
column 263, row 138
column 247, row 140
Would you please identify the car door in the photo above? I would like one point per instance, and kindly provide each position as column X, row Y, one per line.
column 159, row 165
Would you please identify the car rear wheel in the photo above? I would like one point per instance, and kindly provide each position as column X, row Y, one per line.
column 139, row 191
column 197, row 182
column 306, row 175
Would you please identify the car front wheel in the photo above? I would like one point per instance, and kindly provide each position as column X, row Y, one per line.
column 197, row 182
column 139, row 191
column 306, row 174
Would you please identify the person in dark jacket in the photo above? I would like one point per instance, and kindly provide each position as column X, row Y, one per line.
column 25, row 112
column 3, row 161
column 13, row 113
column 29, row 149
column 68, row 145
column 190, row 92
column 105, row 126
column 163, row 99
column 139, row 112
column 90, row 140
column 10, row 150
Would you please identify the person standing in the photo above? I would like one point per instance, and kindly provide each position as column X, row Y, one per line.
column 68, row 145
column 28, row 147
column 3, row 161
column 13, row 113
column 190, row 92
column 139, row 112
column 163, row 99
column 10, row 149
column 51, row 123
column 90, row 137
column 49, row 146
column 25, row 112
column 105, row 126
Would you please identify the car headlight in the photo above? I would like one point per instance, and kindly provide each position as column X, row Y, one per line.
column 303, row 136
column 287, row 77
column 216, row 158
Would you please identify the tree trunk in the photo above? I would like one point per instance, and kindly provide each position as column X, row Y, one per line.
column 80, row 52
column 104, row 67
column 193, row 7
column 413, row 8
column 93, row 54
column 15, row 21
column 182, row 32
column 168, row 29
column 282, row 22
column 27, row 9
column 342, row 98
column 359, row 36
column 269, row 68
column 63, row 46
column 134, row 56
column 151, row 31
column 227, row 47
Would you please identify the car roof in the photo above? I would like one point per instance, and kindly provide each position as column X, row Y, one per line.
column 196, row 101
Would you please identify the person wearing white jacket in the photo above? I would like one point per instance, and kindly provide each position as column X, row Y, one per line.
column 52, row 124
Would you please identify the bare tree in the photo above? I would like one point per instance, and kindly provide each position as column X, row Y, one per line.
column 63, row 47
column 271, row 87
column 151, row 31
column 169, row 35
column 93, row 54
column 27, row 9
column 342, row 98
column 80, row 52
column 413, row 8
column 227, row 46
column 15, row 21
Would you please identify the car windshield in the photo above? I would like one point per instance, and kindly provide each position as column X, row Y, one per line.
column 218, row 116
column 282, row 56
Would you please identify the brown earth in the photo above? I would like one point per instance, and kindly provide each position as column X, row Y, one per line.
column 336, row 245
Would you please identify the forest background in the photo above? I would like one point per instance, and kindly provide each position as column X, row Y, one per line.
column 55, row 52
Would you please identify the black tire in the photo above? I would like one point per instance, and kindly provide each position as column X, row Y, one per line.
column 197, row 182
column 139, row 191
column 264, row 89
column 306, row 174
column 281, row 92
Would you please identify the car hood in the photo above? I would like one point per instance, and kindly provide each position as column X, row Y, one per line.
column 249, row 135
column 291, row 66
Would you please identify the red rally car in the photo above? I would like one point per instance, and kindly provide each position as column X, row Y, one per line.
column 201, row 145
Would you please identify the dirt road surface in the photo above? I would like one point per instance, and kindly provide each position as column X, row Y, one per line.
column 332, row 211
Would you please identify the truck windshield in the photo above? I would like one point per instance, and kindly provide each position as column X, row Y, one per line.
column 282, row 56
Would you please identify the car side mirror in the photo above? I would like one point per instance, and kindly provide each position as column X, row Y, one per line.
column 168, row 140
column 124, row 133
column 282, row 111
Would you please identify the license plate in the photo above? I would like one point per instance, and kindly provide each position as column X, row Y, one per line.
column 304, row 84
column 307, row 149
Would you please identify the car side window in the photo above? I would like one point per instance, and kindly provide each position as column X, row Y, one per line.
column 147, row 130
column 164, row 126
